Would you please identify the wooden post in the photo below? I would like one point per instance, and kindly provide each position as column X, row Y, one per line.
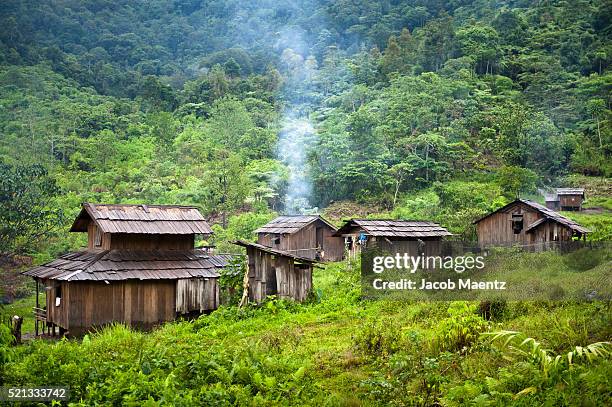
column 37, row 307
column 16, row 325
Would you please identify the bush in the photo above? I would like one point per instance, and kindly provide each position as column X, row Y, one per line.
column 378, row 338
column 461, row 329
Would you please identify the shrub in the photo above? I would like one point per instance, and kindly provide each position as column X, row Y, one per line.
column 461, row 329
column 493, row 310
column 378, row 338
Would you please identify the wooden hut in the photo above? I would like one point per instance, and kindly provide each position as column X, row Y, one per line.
column 308, row 236
column 276, row 272
column 140, row 268
column 525, row 222
column 570, row 199
column 565, row 199
column 393, row 236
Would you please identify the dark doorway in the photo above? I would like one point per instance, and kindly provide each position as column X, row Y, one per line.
column 319, row 238
column 271, row 288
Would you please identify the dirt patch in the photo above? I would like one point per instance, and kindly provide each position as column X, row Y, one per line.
column 594, row 210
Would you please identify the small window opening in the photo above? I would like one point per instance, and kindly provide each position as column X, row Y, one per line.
column 517, row 223
column 276, row 239
column 58, row 295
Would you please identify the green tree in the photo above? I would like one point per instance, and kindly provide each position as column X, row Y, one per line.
column 515, row 181
column 27, row 213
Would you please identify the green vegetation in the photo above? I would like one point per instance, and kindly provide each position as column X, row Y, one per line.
column 339, row 350
column 184, row 102
column 23, row 308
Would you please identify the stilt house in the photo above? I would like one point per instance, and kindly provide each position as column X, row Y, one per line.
column 140, row 268
column 566, row 199
column 526, row 223
column 393, row 236
column 307, row 236
column 276, row 272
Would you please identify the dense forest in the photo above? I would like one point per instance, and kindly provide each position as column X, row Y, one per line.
column 432, row 109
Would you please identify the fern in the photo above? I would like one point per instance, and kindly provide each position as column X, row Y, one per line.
column 517, row 344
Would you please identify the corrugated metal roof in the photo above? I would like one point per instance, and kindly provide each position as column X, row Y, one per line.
column 128, row 265
column 145, row 219
column 273, row 251
column 549, row 214
column 395, row 228
column 291, row 224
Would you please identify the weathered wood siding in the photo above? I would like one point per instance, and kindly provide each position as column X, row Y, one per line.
column 197, row 294
column 132, row 241
column 333, row 246
column 497, row 228
column 570, row 201
column 57, row 314
column 96, row 239
column 549, row 232
column 277, row 275
column 304, row 242
column 88, row 304
column 393, row 245
column 136, row 241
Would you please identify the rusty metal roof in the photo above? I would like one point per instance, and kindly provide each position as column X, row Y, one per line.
column 275, row 252
column 110, row 265
column 291, row 223
column 145, row 219
column 570, row 191
column 549, row 214
column 395, row 228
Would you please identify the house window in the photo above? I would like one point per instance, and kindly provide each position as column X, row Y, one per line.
column 517, row 223
column 58, row 295
column 276, row 239
column 98, row 238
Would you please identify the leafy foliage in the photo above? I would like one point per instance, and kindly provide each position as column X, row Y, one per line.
column 26, row 210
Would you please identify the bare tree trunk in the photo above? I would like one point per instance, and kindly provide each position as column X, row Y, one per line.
column 245, row 288
column 599, row 133
column 397, row 187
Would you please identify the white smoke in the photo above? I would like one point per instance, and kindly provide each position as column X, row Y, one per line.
column 296, row 135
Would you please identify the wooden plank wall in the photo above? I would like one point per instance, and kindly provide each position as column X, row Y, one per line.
column 258, row 262
column 105, row 239
column 306, row 238
column 138, row 241
column 332, row 245
column 549, row 232
column 303, row 243
column 57, row 314
column 137, row 303
column 497, row 229
column 134, row 241
column 290, row 282
column 570, row 201
column 197, row 294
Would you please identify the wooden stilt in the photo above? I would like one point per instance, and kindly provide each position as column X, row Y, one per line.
column 37, row 307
